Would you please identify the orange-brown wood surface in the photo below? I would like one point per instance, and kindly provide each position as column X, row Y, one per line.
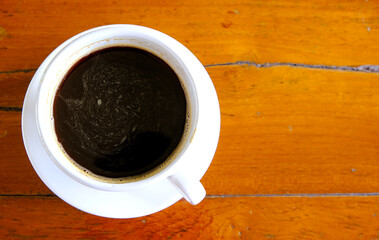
column 298, row 85
column 214, row 218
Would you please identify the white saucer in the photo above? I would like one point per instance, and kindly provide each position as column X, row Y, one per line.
column 130, row 204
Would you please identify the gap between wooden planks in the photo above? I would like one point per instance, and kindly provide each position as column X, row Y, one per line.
column 284, row 130
column 227, row 218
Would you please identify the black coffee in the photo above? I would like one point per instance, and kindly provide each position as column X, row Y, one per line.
column 120, row 112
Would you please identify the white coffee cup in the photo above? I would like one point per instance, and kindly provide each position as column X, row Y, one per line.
column 178, row 170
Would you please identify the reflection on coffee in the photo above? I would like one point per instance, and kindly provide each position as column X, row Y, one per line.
column 120, row 112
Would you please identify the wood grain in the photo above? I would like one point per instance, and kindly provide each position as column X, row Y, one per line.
column 13, row 87
column 17, row 175
column 312, row 32
column 283, row 130
column 220, row 218
column 295, row 130
column 291, row 137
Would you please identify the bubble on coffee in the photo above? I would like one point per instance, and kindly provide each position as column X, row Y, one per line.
column 120, row 112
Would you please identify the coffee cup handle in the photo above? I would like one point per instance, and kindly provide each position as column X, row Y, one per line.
column 192, row 190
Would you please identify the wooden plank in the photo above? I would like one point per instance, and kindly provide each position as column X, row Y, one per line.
column 312, row 32
column 283, row 130
column 17, row 175
column 13, row 87
column 295, row 130
column 220, row 218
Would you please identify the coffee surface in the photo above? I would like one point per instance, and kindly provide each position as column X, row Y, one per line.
column 120, row 112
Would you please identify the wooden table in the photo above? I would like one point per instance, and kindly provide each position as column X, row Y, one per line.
column 298, row 85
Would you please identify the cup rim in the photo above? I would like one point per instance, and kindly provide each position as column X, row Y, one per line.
column 176, row 48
